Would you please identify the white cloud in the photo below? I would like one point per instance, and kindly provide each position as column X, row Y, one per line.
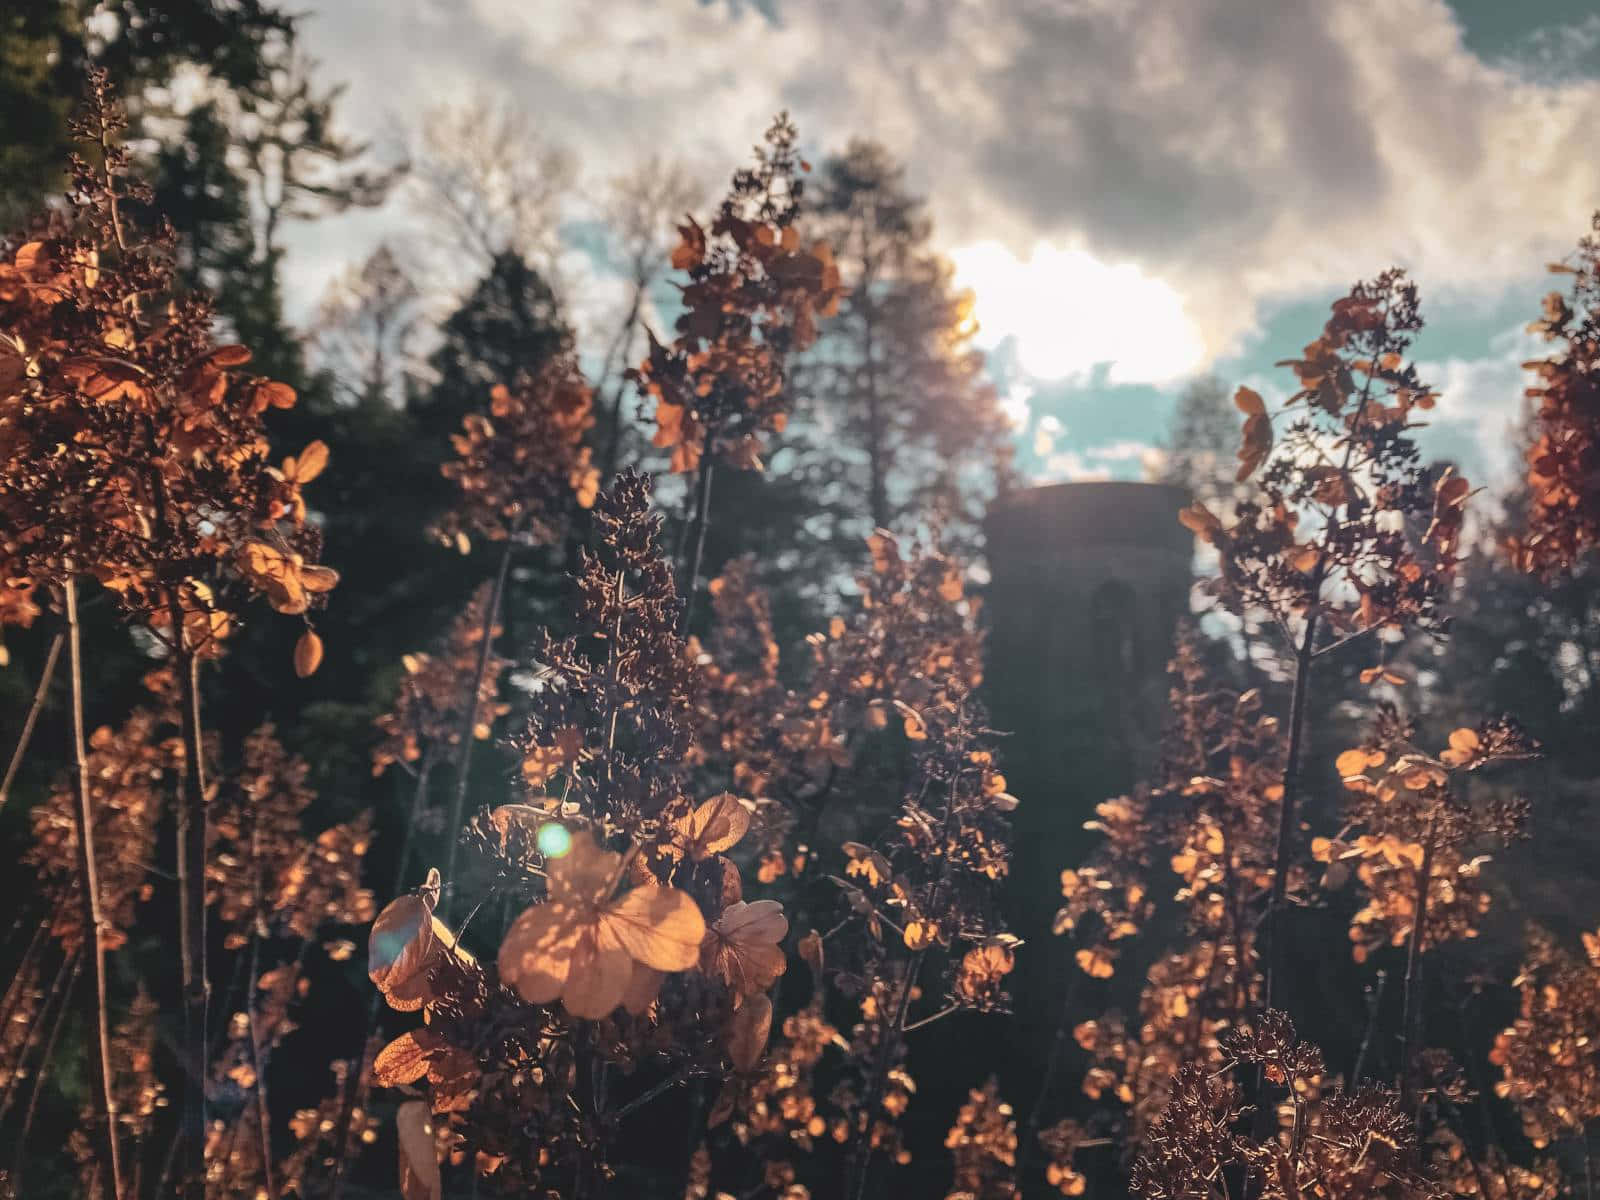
column 1202, row 157
column 1046, row 432
column 1481, row 399
column 1070, row 466
column 1111, row 460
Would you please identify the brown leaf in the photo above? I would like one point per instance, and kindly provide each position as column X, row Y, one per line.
column 748, row 1031
column 404, row 1060
column 307, row 654
column 419, row 1160
column 230, row 356
column 714, row 827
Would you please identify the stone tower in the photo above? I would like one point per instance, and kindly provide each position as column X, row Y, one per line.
column 1089, row 583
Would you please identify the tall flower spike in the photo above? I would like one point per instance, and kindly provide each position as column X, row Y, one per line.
column 1563, row 463
column 753, row 294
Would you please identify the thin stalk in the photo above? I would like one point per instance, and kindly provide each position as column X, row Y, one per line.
column 1373, row 1010
column 1411, row 1021
column 54, row 996
column 192, row 917
column 696, row 1130
column 608, row 466
column 701, row 520
column 469, row 721
column 1291, row 785
column 42, row 1074
column 32, row 718
column 105, row 1103
column 257, row 1058
column 682, row 1076
column 15, row 989
column 1305, row 655
column 862, row 1158
column 168, row 1162
column 1030, row 1135
column 352, row 1083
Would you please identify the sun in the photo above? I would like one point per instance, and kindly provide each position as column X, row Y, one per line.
column 1068, row 312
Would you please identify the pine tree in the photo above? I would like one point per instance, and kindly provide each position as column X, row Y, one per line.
column 893, row 395
column 510, row 323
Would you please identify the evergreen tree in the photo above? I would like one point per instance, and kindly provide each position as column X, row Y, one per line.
column 510, row 323
column 909, row 431
column 1202, row 443
column 46, row 46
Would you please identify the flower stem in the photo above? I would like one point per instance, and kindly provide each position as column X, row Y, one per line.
column 104, row 1133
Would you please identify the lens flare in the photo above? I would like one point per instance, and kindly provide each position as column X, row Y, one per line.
column 554, row 840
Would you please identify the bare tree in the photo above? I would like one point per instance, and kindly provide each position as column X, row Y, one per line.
column 484, row 182
column 641, row 210
column 298, row 165
column 365, row 330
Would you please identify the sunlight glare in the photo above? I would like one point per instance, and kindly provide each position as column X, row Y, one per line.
column 1069, row 312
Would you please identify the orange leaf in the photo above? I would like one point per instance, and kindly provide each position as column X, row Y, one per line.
column 715, row 826
column 419, row 1159
column 307, row 654
column 404, row 1060
column 1095, row 963
column 230, row 356
column 1249, row 402
column 1200, row 521
column 308, row 464
column 659, row 926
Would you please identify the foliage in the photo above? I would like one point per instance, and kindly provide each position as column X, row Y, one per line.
column 730, row 918
column 1562, row 500
column 897, row 379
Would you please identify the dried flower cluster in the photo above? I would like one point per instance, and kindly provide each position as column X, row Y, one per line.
column 983, row 1144
column 265, row 875
column 130, row 770
column 1345, row 529
column 520, row 467
column 1549, row 1058
column 753, row 295
column 1563, row 518
column 1212, row 813
column 1410, row 832
column 640, row 958
column 1340, row 1145
column 134, row 448
column 425, row 723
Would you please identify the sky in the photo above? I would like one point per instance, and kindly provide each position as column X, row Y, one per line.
column 1137, row 191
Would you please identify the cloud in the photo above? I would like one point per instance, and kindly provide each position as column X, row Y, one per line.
column 1124, row 459
column 1480, row 401
column 1220, row 154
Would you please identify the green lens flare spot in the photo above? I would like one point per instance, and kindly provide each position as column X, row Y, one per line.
column 554, row 840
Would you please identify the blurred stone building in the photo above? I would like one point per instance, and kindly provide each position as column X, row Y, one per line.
column 1089, row 583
